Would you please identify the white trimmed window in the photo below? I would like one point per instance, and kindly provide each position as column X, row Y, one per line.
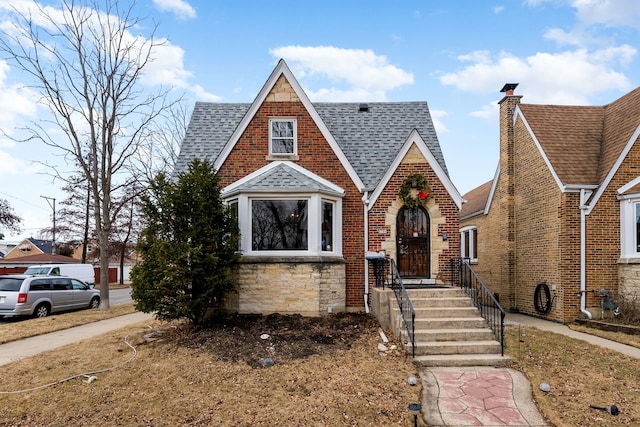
column 630, row 227
column 283, row 134
column 469, row 243
column 289, row 225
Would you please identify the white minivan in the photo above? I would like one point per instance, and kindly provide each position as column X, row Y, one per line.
column 38, row 296
column 83, row 272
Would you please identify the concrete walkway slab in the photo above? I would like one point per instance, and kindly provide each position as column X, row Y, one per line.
column 478, row 396
column 487, row 396
column 16, row 350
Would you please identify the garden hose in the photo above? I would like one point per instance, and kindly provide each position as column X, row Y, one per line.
column 542, row 303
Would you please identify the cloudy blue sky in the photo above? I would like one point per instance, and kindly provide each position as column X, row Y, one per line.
column 456, row 55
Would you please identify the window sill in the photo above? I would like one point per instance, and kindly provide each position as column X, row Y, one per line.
column 276, row 157
column 629, row 260
column 279, row 259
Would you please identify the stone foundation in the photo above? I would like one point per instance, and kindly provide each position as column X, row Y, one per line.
column 306, row 286
column 629, row 277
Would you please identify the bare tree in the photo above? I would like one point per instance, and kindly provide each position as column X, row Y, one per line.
column 162, row 144
column 86, row 62
column 8, row 219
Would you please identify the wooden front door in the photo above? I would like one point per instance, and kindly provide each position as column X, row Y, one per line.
column 413, row 242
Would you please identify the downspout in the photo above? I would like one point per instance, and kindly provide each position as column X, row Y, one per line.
column 583, row 254
column 365, row 203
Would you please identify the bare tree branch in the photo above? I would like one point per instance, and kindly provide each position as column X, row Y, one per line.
column 86, row 61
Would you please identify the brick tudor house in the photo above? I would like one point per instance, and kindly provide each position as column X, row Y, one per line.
column 563, row 209
column 316, row 186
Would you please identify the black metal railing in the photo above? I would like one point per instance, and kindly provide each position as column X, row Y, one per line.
column 486, row 302
column 406, row 308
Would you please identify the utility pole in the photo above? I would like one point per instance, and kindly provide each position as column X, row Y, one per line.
column 52, row 204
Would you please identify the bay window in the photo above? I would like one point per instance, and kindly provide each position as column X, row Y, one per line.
column 289, row 225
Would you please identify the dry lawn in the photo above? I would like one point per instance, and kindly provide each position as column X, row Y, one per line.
column 160, row 374
column 17, row 328
column 580, row 375
column 177, row 376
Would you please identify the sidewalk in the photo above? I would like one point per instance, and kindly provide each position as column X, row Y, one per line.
column 16, row 350
column 488, row 396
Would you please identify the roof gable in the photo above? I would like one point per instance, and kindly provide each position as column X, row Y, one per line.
column 282, row 71
column 282, row 177
column 416, row 139
column 570, row 138
column 584, row 144
column 372, row 139
column 365, row 142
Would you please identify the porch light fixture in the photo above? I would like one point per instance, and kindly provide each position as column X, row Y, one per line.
column 444, row 236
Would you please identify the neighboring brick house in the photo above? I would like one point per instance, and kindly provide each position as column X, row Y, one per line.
column 315, row 187
column 563, row 208
column 29, row 247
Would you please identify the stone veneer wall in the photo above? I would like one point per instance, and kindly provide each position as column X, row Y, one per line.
column 310, row 287
column 629, row 276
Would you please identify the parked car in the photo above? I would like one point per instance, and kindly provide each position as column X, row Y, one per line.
column 38, row 296
column 84, row 272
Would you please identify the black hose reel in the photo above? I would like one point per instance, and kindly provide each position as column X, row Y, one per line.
column 542, row 299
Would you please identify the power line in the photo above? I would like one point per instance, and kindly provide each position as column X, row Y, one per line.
column 23, row 201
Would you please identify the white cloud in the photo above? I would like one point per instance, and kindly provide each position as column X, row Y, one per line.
column 569, row 77
column 16, row 103
column 575, row 37
column 362, row 74
column 181, row 8
column 608, row 12
column 437, row 116
column 498, row 9
column 489, row 112
column 10, row 165
column 167, row 68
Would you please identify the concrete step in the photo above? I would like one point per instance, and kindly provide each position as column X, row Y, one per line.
column 440, row 312
column 428, row 302
column 435, row 293
column 460, row 360
column 455, row 347
column 450, row 323
column 439, row 335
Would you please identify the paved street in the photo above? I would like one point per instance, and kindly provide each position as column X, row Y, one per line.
column 116, row 297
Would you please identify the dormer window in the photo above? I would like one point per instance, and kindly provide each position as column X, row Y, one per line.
column 282, row 137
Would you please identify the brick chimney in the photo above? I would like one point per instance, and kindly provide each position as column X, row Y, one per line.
column 507, row 182
column 507, row 108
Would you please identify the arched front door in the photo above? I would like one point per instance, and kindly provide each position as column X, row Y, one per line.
column 413, row 242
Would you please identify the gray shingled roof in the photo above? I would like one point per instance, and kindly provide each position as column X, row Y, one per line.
column 284, row 179
column 369, row 139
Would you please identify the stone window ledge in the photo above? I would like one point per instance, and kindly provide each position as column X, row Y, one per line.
column 292, row 260
column 628, row 260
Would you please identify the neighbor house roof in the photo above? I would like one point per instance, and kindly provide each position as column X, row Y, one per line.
column 476, row 200
column 39, row 259
column 571, row 138
column 584, row 143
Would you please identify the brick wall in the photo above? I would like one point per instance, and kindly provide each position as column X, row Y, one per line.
column 442, row 210
column 314, row 153
column 538, row 225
